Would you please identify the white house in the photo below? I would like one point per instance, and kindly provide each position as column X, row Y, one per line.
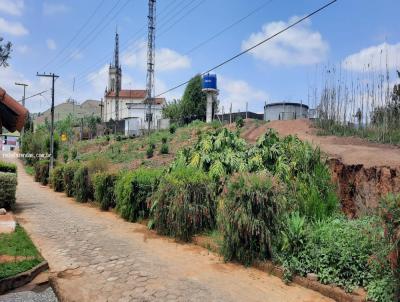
column 9, row 141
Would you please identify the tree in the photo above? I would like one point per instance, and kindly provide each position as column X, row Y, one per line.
column 5, row 51
column 172, row 110
column 194, row 101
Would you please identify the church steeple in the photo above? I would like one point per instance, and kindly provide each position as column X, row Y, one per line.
column 116, row 50
column 115, row 72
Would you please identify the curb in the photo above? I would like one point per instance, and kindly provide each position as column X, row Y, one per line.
column 330, row 291
column 23, row 278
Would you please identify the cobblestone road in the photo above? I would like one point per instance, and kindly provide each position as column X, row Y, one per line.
column 98, row 257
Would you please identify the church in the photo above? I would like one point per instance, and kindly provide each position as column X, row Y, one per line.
column 125, row 104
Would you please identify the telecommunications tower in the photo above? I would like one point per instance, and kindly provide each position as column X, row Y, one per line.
column 150, row 61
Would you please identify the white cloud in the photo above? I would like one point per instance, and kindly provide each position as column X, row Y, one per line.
column 237, row 93
column 51, row 44
column 12, row 28
column 12, row 7
column 374, row 58
column 22, row 49
column 54, row 8
column 166, row 59
column 300, row 45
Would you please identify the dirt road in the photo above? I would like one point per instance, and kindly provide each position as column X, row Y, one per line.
column 349, row 150
column 99, row 257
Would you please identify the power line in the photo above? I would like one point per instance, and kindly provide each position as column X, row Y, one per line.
column 254, row 46
column 75, row 36
column 201, row 44
column 94, row 33
column 85, row 73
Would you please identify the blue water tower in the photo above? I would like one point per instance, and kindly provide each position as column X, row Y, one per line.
column 210, row 82
column 210, row 89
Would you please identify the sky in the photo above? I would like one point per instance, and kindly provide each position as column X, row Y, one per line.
column 75, row 40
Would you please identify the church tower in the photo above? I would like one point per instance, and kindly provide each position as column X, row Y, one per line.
column 114, row 71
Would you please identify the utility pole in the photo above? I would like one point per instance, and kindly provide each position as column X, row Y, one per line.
column 23, row 98
column 53, row 77
column 230, row 114
column 24, row 85
column 151, row 39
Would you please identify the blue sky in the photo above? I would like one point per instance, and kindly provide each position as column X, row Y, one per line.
column 350, row 31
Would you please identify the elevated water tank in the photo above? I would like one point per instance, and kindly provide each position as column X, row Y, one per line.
column 210, row 82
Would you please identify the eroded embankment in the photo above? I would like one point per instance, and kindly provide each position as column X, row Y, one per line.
column 361, row 188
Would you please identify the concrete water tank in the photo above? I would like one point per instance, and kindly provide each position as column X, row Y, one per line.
column 285, row 111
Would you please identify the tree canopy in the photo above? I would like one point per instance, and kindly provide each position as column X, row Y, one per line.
column 5, row 51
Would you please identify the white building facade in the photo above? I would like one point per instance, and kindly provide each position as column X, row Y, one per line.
column 129, row 105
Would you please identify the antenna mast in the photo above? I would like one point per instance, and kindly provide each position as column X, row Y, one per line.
column 117, row 75
column 150, row 61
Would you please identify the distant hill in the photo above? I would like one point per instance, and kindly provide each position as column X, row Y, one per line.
column 61, row 111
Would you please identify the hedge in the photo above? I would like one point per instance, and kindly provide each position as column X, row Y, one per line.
column 133, row 190
column 57, row 178
column 103, row 184
column 8, row 186
column 42, row 172
column 69, row 172
column 184, row 204
column 8, row 167
column 83, row 190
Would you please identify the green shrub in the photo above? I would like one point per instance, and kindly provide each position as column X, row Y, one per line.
column 184, row 204
column 239, row 123
column 150, row 151
column 74, row 154
column 248, row 216
column 342, row 252
column 57, row 178
column 164, row 139
column 8, row 167
column 133, row 190
column 96, row 165
column 69, row 172
column 103, row 185
column 65, row 156
column 172, row 128
column 42, row 172
column 164, row 149
column 83, row 190
column 8, row 186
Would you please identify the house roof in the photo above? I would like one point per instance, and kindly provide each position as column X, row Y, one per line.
column 129, row 94
column 12, row 114
column 135, row 95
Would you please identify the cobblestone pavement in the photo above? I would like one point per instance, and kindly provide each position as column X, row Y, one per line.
column 46, row 295
column 96, row 256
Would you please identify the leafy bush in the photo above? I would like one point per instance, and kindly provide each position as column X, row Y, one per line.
column 248, row 216
column 65, row 156
column 239, row 123
column 164, row 139
column 389, row 210
column 74, row 154
column 103, row 184
column 302, row 168
column 57, row 178
column 341, row 252
column 172, row 128
column 82, row 186
column 8, row 186
column 184, row 204
column 218, row 153
column 42, row 172
column 69, row 172
column 132, row 191
column 150, row 151
column 96, row 165
column 164, row 149
column 8, row 167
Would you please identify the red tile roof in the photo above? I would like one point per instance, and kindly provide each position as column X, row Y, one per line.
column 134, row 94
column 12, row 114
